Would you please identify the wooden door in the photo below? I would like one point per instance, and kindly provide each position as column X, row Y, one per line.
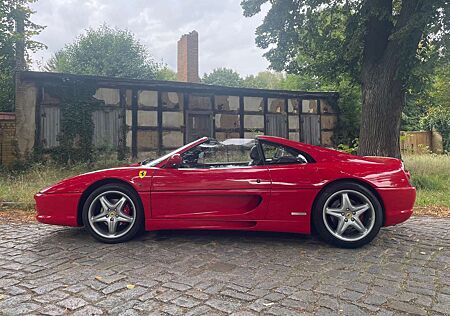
column 50, row 125
column 310, row 129
column 199, row 124
column 107, row 125
column 276, row 125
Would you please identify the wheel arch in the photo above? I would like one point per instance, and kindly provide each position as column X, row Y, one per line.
column 366, row 185
column 95, row 186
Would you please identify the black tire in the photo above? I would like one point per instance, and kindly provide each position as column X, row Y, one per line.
column 136, row 227
column 351, row 188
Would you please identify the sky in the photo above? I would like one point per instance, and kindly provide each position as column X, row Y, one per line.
column 227, row 38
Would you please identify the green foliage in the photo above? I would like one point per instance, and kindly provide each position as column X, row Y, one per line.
column 429, row 104
column 368, row 43
column 6, row 88
column 427, row 182
column 326, row 38
column 428, row 88
column 304, row 37
column 349, row 106
column 10, row 10
column 265, row 80
column 301, row 82
column 440, row 91
column 77, row 128
column 223, row 77
column 438, row 118
column 105, row 52
column 349, row 149
column 165, row 73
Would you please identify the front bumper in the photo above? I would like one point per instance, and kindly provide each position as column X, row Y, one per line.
column 398, row 204
column 57, row 208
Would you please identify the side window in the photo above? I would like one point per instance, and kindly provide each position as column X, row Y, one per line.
column 276, row 154
column 214, row 154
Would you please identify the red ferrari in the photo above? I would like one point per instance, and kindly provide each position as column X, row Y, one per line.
column 263, row 184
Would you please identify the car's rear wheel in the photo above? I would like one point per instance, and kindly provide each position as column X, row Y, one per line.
column 113, row 213
column 347, row 215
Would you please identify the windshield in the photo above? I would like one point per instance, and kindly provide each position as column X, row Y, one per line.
column 153, row 163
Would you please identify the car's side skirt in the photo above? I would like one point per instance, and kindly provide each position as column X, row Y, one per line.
column 302, row 227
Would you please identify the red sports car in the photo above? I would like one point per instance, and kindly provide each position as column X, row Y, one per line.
column 263, row 184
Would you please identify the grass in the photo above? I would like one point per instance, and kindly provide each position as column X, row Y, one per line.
column 430, row 174
column 20, row 185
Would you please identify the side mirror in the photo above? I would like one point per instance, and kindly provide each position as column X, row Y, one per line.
column 174, row 161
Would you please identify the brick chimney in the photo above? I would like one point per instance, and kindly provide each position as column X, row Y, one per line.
column 188, row 58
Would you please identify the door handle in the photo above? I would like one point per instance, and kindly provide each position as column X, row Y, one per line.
column 258, row 181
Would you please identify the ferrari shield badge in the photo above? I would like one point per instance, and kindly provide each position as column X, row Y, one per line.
column 142, row 174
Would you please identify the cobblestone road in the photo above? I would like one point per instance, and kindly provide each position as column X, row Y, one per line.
column 55, row 270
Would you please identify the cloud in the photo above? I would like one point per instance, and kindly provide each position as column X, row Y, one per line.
column 226, row 36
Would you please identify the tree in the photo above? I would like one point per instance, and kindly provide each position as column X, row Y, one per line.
column 264, row 80
column 12, row 11
column 440, row 88
column 223, row 77
column 165, row 73
column 438, row 118
column 105, row 52
column 302, row 82
column 437, row 104
column 376, row 43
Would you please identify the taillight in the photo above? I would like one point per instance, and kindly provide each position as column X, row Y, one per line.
column 408, row 174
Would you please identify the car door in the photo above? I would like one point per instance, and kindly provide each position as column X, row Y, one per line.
column 215, row 192
column 294, row 183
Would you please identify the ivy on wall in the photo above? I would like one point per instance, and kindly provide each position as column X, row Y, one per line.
column 77, row 104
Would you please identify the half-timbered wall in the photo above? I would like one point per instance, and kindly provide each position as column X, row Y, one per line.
column 149, row 118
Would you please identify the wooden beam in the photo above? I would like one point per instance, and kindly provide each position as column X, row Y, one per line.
column 320, row 121
column 299, row 113
column 160, row 123
column 38, row 117
column 134, row 124
column 123, row 126
column 185, row 118
column 241, row 116
column 265, row 110
column 213, row 115
column 286, row 107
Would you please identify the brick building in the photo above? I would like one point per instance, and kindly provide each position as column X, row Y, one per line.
column 7, row 138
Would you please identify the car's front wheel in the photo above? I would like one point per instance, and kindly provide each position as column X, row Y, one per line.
column 113, row 213
column 347, row 215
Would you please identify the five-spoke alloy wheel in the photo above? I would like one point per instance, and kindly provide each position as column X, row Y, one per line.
column 113, row 213
column 348, row 215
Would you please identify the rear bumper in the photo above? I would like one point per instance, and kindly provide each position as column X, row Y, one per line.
column 57, row 208
column 398, row 204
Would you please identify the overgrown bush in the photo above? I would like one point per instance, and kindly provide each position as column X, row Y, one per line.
column 438, row 118
column 350, row 149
